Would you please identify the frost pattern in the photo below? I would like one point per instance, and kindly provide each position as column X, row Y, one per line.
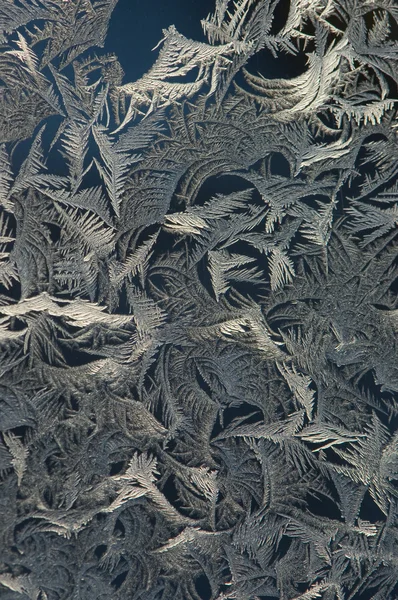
column 198, row 390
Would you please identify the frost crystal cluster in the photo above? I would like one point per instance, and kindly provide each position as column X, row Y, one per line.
column 198, row 310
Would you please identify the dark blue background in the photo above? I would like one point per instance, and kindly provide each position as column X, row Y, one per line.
column 136, row 27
